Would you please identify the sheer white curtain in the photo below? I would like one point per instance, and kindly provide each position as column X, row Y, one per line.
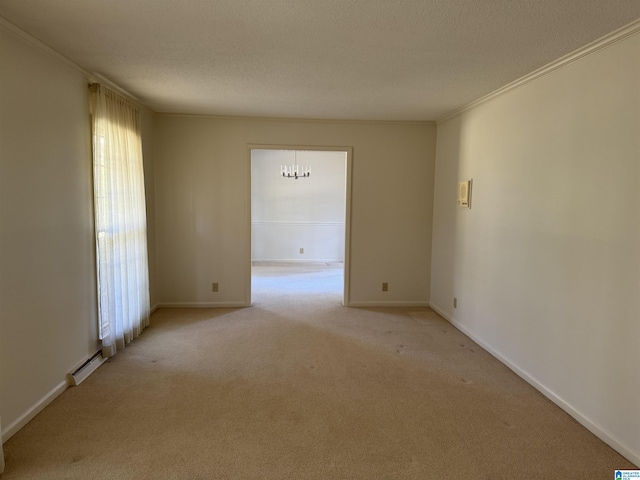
column 120, row 220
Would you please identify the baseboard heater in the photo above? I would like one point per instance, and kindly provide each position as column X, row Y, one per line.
column 86, row 369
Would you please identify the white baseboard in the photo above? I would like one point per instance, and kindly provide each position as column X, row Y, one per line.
column 30, row 414
column 203, row 305
column 599, row 431
column 80, row 373
column 388, row 304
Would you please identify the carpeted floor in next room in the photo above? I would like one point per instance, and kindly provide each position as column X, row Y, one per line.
column 299, row 387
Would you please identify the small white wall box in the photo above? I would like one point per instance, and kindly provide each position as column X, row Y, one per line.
column 464, row 194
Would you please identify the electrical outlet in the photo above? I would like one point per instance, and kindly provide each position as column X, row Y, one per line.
column 385, row 287
column 455, row 302
column 301, row 250
column 214, row 287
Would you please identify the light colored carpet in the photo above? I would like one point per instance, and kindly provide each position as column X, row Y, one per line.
column 299, row 387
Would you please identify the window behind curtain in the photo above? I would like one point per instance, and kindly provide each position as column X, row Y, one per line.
column 120, row 220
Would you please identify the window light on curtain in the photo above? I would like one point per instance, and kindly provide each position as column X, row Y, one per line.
column 120, row 220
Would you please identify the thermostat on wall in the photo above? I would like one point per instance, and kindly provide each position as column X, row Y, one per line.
column 464, row 194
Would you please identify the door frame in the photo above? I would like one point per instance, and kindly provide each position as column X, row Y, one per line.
column 347, row 216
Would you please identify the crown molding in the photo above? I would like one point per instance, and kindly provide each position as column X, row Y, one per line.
column 603, row 42
column 39, row 44
column 296, row 119
column 92, row 77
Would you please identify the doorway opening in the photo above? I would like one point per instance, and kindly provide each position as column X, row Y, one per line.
column 300, row 227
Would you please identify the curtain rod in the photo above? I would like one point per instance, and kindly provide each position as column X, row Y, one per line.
column 123, row 94
column 95, row 88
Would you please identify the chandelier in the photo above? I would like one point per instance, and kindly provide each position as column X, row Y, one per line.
column 294, row 171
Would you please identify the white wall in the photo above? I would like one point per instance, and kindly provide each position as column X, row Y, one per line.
column 48, row 312
column 288, row 214
column 203, row 226
column 546, row 264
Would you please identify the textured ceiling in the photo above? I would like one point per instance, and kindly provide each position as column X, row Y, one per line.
column 337, row 59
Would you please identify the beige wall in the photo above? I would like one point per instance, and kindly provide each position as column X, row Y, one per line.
column 546, row 264
column 48, row 313
column 202, row 175
column 147, row 117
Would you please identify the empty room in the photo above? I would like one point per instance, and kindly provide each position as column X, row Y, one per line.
column 317, row 239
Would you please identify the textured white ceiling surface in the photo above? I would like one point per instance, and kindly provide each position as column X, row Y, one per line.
column 334, row 59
